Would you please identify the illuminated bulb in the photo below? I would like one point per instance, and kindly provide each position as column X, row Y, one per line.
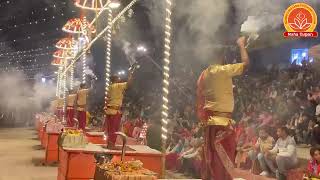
column 114, row 4
column 71, row 77
column 166, row 76
column 84, row 68
column 108, row 53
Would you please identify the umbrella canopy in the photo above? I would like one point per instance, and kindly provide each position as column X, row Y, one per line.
column 56, row 62
column 91, row 4
column 63, row 54
column 78, row 25
column 66, row 43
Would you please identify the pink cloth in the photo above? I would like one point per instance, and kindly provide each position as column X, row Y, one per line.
column 112, row 125
column 82, row 118
column 70, row 116
column 172, row 162
column 265, row 119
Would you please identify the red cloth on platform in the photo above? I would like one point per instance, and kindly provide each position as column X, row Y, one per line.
column 70, row 116
column 82, row 118
column 112, row 125
column 172, row 162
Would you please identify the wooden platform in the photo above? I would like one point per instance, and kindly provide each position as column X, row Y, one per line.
column 79, row 163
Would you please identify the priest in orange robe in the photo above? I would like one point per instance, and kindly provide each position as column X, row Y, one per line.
column 215, row 103
column 113, row 108
column 82, row 95
column 54, row 107
column 60, row 108
column 71, row 101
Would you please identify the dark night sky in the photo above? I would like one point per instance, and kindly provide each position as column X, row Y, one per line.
column 48, row 16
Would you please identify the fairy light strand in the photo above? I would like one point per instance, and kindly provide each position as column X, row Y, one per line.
column 59, row 81
column 84, row 50
column 166, row 79
column 71, row 77
column 108, row 53
column 64, row 92
column 166, row 69
column 84, row 64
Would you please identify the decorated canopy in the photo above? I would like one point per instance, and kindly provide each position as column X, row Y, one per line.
column 63, row 54
column 56, row 62
column 66, row 43
column 91, row 4
column 78, row 25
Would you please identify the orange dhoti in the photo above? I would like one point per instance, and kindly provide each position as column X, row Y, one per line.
column 213, row 165
column 59, row 113
column 111, row 126
column 82, row 118
column 70, row 116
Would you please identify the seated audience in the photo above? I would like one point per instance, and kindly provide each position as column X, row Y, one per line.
column 284, row 153
column 245, row 144
column 264, row 143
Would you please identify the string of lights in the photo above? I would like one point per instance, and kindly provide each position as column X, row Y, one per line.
column 64, row 95
column 58, row 92
column 31, row 38
column 11, row 63
column 27, row 70
column 25, row 56
column 27, row 66
column 166, row 76
column 40, row 21
column 4, row 3
column 71, row 77
column 39, row 10
column 25, row 51
column 84, row 50
column 108, row 54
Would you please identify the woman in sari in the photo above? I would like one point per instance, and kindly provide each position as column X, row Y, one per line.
column 245, row 144
column 313, row 171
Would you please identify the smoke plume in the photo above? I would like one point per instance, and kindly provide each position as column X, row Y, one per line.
column 20, row 99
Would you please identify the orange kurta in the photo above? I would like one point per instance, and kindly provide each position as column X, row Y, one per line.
column 60, row 103
column 218, row 90
column 54, row 105
column 71, row 100
column 82, row 99
column 115, row 97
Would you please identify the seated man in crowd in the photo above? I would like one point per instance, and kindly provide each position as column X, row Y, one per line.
column 284, row 153
column 264, row 143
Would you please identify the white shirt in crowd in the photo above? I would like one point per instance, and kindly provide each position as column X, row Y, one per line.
column 318, row 110
column 286, row 148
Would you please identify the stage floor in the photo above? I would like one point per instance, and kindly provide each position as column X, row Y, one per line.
column 20, row 157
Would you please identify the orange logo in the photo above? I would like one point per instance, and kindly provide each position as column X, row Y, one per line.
column 300, row 20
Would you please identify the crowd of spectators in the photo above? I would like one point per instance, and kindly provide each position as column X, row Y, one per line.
column 278, row 97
